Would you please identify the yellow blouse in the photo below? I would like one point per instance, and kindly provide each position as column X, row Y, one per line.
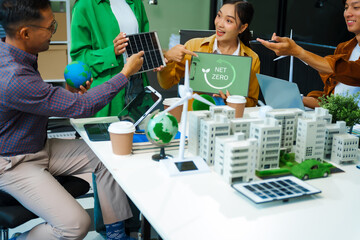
column 174, row 71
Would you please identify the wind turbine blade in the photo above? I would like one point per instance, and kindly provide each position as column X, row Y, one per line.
column 178, row 103
column 303, row 62
column 291, row 62
column 186, row 78
column 278, row 58
column 201, row 99
column 291, row 70
column 182, row 90
column 261, row 103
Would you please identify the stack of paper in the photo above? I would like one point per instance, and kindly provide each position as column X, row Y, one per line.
column 141, row 144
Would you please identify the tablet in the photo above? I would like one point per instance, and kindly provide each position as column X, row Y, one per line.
column 136, row 111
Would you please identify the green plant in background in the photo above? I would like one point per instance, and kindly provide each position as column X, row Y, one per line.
column 343, row 108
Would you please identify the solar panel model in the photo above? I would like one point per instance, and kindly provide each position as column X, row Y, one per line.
column 269, row 190
column 150, row 44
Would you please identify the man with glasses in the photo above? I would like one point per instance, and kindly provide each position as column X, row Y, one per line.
column 28, row 160
column 51, row 29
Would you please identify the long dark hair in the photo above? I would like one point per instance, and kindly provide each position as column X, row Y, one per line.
column 245, row 11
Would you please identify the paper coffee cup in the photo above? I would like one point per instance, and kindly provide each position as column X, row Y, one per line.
column 238, row 103
column 176, row 112
column 121, row 136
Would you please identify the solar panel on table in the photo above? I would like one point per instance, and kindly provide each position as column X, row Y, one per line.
column 149, row 43
column 282, row 188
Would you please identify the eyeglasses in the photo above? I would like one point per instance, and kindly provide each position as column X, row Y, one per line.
column 51, row 29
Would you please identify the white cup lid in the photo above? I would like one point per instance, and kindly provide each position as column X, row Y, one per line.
column 121, row 127
column 170, row 101
column 236, row 99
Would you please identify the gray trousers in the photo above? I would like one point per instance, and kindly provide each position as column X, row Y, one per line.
column 29, row 179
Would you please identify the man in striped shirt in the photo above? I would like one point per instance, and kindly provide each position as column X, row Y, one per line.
column 28, row 160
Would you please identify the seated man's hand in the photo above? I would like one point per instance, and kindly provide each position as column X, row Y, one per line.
column 80, row 90
column 177, row 53
column 133, row 64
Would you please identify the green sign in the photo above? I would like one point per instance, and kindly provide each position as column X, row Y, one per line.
column 210, row 73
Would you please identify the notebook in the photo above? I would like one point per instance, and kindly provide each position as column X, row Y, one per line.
column 136, row 111
column 211, row 72
column 280, row 93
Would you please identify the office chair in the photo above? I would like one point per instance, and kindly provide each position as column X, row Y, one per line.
column 187, row 34
column 13, row 214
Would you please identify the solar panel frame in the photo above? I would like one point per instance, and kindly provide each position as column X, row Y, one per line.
column 150, row 44
column 269, row 190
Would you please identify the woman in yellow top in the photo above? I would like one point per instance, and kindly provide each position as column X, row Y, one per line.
column 232, row 37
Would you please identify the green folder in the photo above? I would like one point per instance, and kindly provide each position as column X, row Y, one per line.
column 211, row 72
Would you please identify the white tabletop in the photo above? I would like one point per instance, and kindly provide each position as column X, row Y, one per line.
column 203, row 206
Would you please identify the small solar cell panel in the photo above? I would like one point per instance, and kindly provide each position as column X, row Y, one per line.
column 149, row 43
column 275, row 189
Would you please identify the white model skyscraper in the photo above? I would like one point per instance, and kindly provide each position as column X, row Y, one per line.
column 288, row 119
column 209, row 129
column 330, row 130
column 235, row 158
column 268, row 137
column 310, row 139
column 344, row 149
column 194, row 130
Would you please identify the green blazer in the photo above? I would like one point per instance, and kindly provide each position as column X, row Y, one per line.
column 93, row 29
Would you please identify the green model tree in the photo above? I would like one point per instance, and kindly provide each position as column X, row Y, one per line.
column 343, row 108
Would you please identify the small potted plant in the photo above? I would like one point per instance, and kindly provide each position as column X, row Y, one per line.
column 343, row 108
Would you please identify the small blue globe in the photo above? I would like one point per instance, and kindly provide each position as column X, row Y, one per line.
column 76, row 74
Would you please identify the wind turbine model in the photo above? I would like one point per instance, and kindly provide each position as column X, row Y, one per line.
column 182, row 165
column 291, row 61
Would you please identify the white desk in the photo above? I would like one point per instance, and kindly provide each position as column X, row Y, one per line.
column 203, row 207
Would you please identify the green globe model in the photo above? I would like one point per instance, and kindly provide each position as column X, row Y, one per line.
column 161, row 129
column 76, row 74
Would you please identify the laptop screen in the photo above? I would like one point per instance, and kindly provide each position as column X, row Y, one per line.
column 280, row 93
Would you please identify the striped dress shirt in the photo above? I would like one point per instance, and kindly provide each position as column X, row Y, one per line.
column 26, row 102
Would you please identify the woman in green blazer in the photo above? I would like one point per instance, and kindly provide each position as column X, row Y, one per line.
column 97, row 40
column 95, row 37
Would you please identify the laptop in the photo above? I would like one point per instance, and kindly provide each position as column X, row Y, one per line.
column 136, row 111
column 280, row 93
column 211, row 72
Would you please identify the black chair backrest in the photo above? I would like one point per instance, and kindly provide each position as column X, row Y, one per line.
column 187, row 34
